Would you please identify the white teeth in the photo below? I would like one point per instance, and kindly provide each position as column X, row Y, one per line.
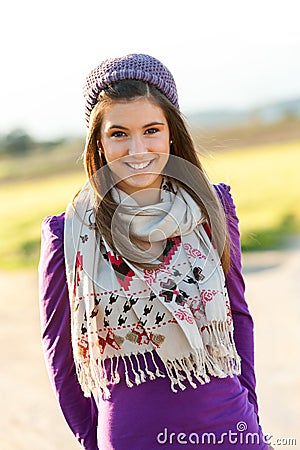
column 139, row 166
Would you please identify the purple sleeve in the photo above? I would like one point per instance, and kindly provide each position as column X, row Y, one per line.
column 80, row 412
column 242, row 319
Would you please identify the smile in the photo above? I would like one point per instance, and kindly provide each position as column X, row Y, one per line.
column 139, row 166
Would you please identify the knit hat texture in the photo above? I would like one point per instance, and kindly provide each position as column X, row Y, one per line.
column 131, row 67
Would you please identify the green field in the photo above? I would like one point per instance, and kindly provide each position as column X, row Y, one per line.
column 23, row 206
column 265, row 186
column 264, row 180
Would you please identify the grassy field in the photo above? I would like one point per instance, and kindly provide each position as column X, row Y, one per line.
column 265, row 185
column 264, row 180
column 23, row 206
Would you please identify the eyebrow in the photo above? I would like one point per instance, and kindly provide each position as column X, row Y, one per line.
column 120, row 127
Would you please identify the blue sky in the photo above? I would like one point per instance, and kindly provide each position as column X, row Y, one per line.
column 229, row 53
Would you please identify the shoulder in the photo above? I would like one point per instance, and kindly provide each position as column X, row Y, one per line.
column 53, row 226
column 52, row 247
column 223, row 192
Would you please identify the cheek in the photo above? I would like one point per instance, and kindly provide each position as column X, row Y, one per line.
column 165, row 147
column 113, row 152
column 161, row 145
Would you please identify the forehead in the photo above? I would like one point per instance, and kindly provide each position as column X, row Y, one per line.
column 138, row 111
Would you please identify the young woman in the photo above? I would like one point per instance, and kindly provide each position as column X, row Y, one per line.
column 147, row 336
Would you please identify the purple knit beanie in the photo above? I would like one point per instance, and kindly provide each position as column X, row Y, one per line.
column 132, row 67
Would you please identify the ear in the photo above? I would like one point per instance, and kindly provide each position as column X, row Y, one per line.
column 99, row 146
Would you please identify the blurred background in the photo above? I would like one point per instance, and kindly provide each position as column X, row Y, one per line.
column 237, row 69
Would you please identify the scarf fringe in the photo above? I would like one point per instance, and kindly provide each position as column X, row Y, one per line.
column 220, row 359
column 93, row 376
column 223, row 352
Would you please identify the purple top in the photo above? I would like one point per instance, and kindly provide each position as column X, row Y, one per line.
column 149, row 416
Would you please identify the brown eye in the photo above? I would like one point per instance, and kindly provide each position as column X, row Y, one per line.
column 118, row 134
column 151, row 131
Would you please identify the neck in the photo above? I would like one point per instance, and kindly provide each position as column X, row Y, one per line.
column 146, row 197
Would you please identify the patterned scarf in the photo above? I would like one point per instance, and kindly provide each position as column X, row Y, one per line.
column 178, row 311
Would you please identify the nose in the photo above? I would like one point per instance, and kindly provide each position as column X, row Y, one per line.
column 137, row 145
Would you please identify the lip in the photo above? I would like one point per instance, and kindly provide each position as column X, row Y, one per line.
column 139, row 169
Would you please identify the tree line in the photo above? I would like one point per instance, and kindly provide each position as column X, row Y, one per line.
column 19, row 142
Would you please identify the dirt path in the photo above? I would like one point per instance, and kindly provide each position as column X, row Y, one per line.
column 29, row 416
column 273, row 294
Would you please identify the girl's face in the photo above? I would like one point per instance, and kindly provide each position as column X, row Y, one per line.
column 135, row 140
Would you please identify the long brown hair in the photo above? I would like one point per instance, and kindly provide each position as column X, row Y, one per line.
column 191, row 175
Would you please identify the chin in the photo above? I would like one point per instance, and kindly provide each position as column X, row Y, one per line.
column 139, row 182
